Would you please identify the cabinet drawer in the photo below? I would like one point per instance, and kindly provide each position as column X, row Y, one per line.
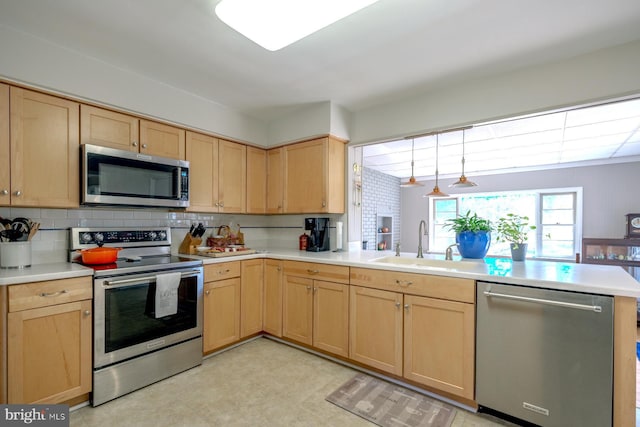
column 221, row 271
column 312, row 270
column 42, row 294
column 451, row 288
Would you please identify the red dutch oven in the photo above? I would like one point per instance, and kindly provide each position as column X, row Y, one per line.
column 99, row 255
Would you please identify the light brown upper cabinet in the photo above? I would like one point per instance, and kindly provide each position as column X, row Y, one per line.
column 275, row 180
column 5, row 156
column 256, row 180
column 44, row 150
column 122, row 131
column 218, row 172
column 314, row 176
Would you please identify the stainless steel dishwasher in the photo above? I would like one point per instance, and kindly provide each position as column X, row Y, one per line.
column 545, row 356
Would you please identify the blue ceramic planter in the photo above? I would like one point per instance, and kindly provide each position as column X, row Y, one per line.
column 473, row 244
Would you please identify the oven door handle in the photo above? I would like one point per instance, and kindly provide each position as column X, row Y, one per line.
column 122, row 282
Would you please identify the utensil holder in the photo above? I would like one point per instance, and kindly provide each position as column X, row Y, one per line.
column 15, row 254
column 189, row 245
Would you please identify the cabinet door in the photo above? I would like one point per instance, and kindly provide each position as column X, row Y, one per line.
column 108, row 128
column 275, row 180
column 157, row 139
column 202, row 154
column 251, row 291
column 305, row 177
column 44, row 150
column 5, row 159
column 256, row 180
column 375, row 328
column 439, row 344
column 232, row 177
column 49, row 353
column 272, row 321
column 221, row 313
column 297, row 309
column 331, row 317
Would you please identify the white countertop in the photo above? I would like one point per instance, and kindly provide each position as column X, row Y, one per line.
column 41, row 272
column 589, row 278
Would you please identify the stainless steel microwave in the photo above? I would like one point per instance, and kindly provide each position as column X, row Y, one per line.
column 119, row 177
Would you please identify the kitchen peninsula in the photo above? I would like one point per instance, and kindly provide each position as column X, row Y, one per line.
column 350, row 281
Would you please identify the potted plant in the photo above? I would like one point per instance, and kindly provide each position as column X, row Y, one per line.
column 515, row 229
column 473, row 234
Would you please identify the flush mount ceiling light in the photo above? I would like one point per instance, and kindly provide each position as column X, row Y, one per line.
column 436, row 190
column 274, row 24
column 463, row 181
column 412, row 181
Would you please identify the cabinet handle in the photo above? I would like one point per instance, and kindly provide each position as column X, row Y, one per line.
column 308, row 288
column 4, row 192
column 207, row 292
column 398, row 305
column 324, row 204
column 312, row 271
column 87, row 312
column 278, row 269
column 406, row 307
column 315, row 290
column 405, row 282
column 224, row 271
column 18, row 193
column 222, row 204
column 144, row 145
column 53, row 294
column 217, row 204
column 135, row 144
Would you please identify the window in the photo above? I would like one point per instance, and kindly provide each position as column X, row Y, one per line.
column 555, row 213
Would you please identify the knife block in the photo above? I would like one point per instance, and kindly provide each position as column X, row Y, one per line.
column 189, row 245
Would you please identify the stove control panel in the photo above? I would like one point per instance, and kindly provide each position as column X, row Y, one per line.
column 83, row 237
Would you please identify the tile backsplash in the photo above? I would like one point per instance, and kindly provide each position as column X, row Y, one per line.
column 51, row 243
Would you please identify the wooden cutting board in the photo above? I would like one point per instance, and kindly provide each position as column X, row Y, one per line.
column 227, row 254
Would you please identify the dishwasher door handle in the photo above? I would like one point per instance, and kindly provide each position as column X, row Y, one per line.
column 594, row 308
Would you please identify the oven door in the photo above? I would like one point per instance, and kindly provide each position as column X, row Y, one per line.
column 125, row 325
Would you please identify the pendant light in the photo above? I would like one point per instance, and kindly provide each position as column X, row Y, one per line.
column 463, row 181
column 412, row 181
column 436, row 190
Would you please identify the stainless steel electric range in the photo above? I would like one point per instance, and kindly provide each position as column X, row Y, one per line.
column 134, row 343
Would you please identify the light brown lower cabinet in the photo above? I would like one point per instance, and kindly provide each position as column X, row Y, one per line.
column 376, row 328
column 272, row 311
column 49, row 341
column 316, row 313
column 221, row 313
column 439, row 344
column 251, row 296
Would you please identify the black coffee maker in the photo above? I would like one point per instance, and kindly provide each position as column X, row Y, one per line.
column 318, row 234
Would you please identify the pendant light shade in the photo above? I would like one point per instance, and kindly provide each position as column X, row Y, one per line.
column 412, row 180
column 436, row 190
column 463, row 181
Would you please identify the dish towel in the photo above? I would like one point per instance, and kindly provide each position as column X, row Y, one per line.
column 167, row 294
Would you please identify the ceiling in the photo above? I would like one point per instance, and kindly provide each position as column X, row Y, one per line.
column 384, row 53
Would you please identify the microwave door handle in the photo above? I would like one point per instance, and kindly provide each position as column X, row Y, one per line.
column 179, row 182
column 124, row 282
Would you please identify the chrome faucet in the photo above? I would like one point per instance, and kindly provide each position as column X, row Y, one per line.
column 398, row 249
column 448, row 254
column 422, row 229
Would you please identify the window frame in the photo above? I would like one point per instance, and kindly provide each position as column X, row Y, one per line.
column 540, row 193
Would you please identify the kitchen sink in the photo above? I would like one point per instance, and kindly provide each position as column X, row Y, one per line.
column 427, row 262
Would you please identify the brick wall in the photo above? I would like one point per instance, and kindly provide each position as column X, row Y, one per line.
column 380, row 196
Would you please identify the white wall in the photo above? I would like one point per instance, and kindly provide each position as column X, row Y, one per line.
column 33, row 61
column 609, row 193
column 600, row 75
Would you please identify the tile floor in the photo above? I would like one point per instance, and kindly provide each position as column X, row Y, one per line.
column 260, row 383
